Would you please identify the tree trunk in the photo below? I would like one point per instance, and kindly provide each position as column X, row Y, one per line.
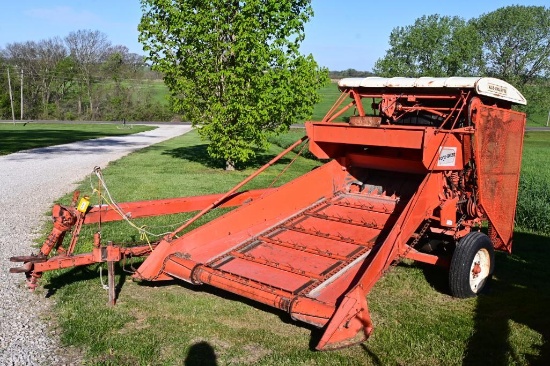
column 90, row 100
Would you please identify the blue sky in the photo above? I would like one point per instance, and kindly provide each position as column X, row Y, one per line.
column 343, row 33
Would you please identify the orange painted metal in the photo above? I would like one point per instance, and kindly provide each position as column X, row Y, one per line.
column 440, row 163
column 168, row 206
column 404, row 137
column 98, row 255
column 69, row 219
column 498, row 143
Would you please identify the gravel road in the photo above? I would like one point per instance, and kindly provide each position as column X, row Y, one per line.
column 29, row 182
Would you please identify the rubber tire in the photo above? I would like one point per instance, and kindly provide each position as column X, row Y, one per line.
column 461, row 264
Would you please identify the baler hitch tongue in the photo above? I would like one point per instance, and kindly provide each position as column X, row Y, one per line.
column 28, row 261
column 351, row 323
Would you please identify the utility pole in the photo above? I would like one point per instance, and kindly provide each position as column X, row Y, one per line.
column 11, row 97
column 548, row 120
column 21, row 94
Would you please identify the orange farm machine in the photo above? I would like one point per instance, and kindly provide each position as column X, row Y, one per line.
column 414, row 173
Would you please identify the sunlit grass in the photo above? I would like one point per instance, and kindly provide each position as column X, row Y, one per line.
column 533, row 211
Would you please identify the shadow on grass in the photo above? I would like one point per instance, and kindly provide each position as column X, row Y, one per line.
column 199, row 154
column 24, row 139
column 518, row 293
column 284, row 316
column 518, row 297
column 201, row 354
column 84, row 273
column 76, row 274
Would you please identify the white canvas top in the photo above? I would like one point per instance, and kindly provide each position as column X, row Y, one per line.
column 489, row 87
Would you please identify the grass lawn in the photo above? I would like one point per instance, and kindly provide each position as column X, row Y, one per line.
column 19, row 137
column 538, row 120
column 416, row 322
column 329, row 93
column 533, row 211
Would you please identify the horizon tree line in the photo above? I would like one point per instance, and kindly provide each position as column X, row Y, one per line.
column 81, row 76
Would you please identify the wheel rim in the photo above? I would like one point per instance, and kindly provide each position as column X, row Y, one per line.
column 479, row 270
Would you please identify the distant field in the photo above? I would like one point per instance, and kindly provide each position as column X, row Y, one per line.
column 19, row 137
column 157, row 88
column 329, row 94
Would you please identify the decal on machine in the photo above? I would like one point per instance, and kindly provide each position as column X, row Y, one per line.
column 447, row 156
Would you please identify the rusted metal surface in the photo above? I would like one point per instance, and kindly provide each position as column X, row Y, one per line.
column 425, row 163
column 498, row 143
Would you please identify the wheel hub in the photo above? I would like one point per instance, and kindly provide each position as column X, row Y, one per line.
column 479, row 270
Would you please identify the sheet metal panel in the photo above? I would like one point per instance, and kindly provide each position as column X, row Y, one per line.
column 498, row 143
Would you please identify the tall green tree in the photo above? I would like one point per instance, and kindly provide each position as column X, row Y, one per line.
column 516, row 48
column 516, row 42
column 5, row 107
column 433, row 46
column 89, row 48
column 233, row 67
column 511, row 43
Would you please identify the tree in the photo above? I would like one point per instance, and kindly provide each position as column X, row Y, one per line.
column 349, row 73
column 516, row 42
column 233, row 68
column 61, row 73
column 63, row 84
column 25, row 55
column 5, row 106
column 516, row 48
column 434, row 46
column 89, row 49
column 511, row 43
column 49, row 53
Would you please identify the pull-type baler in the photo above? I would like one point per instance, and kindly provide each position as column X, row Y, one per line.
column 416, row 171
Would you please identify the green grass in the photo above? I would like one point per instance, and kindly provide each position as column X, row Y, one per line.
column 329, row 93
column 537, row 119
column 416, row 322
column 533, row 211
column 19, row 137
column 156, row 88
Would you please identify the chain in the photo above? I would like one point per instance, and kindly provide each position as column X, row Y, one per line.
column 411, row 246
column 417, row 239
column 459, row 222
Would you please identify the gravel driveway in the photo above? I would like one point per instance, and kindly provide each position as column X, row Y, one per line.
column 29, row 182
